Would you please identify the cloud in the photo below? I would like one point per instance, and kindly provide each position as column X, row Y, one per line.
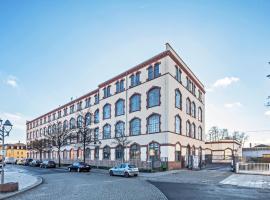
column 267, row 113
column 233, row 105
column 12, row 81
column 17, row 119
column 223, row 83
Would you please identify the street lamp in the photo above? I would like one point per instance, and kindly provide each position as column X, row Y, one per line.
column 4, row 131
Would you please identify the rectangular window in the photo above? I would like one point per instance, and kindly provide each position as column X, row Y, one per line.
column 71, row 109
column 150, row 73
column 156, row 70
column 178, row 74
column 132, row 80
column 122, row 87
column 117, row 87
column 96, row 99
column 137, row 80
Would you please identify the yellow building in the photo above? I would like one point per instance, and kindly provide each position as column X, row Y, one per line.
column 17, row 150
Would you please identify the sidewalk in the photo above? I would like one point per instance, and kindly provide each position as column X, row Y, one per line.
column 246, row 180
column 25, row 181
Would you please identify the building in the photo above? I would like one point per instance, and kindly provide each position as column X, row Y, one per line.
column 17, row 150
column 159, row 104
column 258, row 151
column 222, row 151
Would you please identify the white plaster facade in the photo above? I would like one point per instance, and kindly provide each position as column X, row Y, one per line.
column 168, row 140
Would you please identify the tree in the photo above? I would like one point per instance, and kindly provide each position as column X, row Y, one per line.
column 213, row 134
column 39, row 145
column 58, row 138
column 121, row 139
column 241, row 137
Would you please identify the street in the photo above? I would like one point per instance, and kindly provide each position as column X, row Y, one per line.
column 184, row 184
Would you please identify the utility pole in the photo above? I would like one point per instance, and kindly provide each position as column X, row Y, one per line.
column 268, row 98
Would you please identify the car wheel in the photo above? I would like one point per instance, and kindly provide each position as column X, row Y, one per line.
column 69, row 169
column 111, row 173
column 135, row 175
column 126, row 175
column 78, row 170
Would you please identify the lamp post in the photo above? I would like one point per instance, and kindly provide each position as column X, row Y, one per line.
column 4, row 131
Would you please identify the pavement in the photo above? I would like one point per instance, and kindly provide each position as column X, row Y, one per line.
column 247, row 180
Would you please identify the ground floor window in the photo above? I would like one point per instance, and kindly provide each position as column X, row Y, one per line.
column 106, row 152
column 96, row 152
column 154, row 151
column 178, row 156
column 119, row 152
column 135, row 152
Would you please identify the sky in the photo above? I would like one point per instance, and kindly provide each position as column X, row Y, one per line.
column 51, row 51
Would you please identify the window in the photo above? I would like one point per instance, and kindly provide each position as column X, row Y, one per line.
column 200, row 114
column 106, row 131
column 154, row 151
column 96, row 153
column 96, row 116
column 150, row 73
column 107, row 91
column 200, row 133
column 156, row 70
column 72, row 123
column 178, row 124
column 65, row 112
column 153, row 123
column 88, row 119
column 79, row 121
column 65, row 125
column 53, row 119
column 178, row 74
column 135, row 79
column 200, row 96
column 188, row 106
column 119, row 107
column 178, row 99
column 153, row 97
column 87, row 153
column 96, row 134
column 119, row 129
column 193, row 130
column 193, row 110
column 79, row 106
column 106, row 152
column 96, row 98
column 106, row 111
column 135, row 152
column 122, row 87
column 135, row 126
column 58, row 115
column 188, row 132
column 119, row 152
column 87, row 102
column 135, row 103
column 132, row 80
column 71, row 109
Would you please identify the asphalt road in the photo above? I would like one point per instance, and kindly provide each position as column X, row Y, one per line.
column 179, row 191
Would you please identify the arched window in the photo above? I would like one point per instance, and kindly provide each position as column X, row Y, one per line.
column 79, row 121
column 87, row 153
column 135, row 126
column 106, row 131
column 193, row 130
column 193, row 109
column 153, row 123
column 135, row 152
column 188, row 131
column 88, row 119
column 65, row 125
column 72, row 123
column 200, row 114
column 119, row 129
column 178, row 99
column 119, row 152
column 153, row 97
column 96, row 116
column 135, row 103
column 106, row 152
column 107, row 111
column 53, row 128
column 154, row 151
column 188, row 106
column 200, row 133
column 120, row 107
column 178, row 124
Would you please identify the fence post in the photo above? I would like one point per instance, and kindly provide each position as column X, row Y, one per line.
column 237, row 167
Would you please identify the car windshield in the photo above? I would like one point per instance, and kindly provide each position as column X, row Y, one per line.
column 131, row 166
column 82, row 163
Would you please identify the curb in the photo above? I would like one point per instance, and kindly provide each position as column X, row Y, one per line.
column 39, row 182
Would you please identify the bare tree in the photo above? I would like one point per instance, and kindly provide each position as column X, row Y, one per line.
column 121, row 139
column 241, row 137
column 223, row 134
column 59, row 137
column 213, row 134
column 39, row 145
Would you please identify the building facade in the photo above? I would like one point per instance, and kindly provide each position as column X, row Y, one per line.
column 158, row 104
column 17, row 150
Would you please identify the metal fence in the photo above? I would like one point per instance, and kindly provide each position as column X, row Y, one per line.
column 253, row 168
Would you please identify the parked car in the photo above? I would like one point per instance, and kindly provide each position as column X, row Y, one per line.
column 20, row 161
column 48, row 164
column 124, row 169
column 10, row 160
column 79, row 167
column 27, row 161
column 35, row 163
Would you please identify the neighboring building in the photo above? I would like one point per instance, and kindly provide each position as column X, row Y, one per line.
column 222, row 151
column 258, row 151
column 159, row 104
column 17, row 150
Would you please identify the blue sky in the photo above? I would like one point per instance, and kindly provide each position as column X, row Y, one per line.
column 51, row 51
